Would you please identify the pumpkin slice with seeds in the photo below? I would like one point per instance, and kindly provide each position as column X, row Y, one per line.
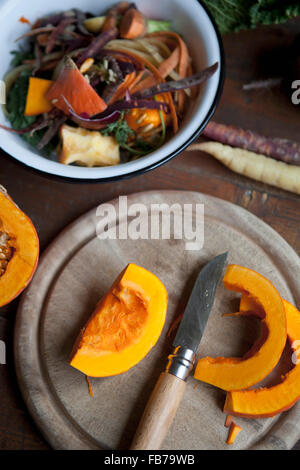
column 19, row 249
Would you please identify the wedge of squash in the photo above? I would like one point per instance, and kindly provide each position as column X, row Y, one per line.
column 126, row 324
column 268, row 402
column 19, row 249
column 239, row 373
column 73, row 87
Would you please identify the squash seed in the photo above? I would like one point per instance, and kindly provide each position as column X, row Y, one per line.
column 6, row 252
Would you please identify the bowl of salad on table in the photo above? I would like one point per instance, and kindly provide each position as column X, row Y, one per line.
column 106, row 90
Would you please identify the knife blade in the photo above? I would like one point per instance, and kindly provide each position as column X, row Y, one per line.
column 168, row 392
column 199, row 305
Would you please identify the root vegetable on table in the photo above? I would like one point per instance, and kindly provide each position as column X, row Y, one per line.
column 253, row 165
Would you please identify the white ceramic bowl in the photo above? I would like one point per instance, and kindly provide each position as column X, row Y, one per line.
column 188, row 17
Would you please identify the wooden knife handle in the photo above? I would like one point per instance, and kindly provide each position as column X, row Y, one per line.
column 159, row 412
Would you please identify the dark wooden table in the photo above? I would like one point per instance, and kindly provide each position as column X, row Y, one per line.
column 54, row 204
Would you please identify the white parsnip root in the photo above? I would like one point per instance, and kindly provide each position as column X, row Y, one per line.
column 253, row 165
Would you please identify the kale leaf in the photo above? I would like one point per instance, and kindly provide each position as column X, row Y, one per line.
column 119, row 129
column 21, row 55
column 15, row 106
column 234, row 15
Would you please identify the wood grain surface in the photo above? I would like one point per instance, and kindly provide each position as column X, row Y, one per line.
column 53, row 204
column 77, row 269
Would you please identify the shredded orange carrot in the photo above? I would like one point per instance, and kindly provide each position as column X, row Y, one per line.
column 121, row 90
column 128, row 84
column 136, row 80
column 157, row 74
column 164, row 69
column 90, row 386
column 184, row 60
column 24, row 20
column 184, row 53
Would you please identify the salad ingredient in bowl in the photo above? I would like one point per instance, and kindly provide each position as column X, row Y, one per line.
column 100, row 91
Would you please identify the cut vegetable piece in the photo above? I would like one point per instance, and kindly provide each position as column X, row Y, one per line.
column 184, row 60
column 113, row 15
column 268, row 402
column 126, row 324
column 72, row 85
column 146, row 64
column 176, row 85
column 19, row 249
column 234, row 430
column 284, row 150
column 253, row 165
column 36, row 101
column 142, row 119
column 87, row 64
column 228, row 421
column 94, row 25
column 133, row 24
column 240, row 373
column 87, row 148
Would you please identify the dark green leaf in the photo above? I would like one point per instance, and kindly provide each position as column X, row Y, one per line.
column 234, row 15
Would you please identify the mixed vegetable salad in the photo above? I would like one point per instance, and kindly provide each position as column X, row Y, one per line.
column 100, row 90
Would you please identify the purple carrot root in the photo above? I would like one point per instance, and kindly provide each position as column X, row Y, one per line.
column 280, row 149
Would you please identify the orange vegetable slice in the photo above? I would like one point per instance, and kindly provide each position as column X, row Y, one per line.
column 239, row 373
column 36, row 101
column 234, row 430
column 268, row 402
column 228, row 421
column 77, row 91
column 126, row 324
column 19, row 249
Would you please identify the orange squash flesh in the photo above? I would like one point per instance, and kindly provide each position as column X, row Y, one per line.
column 228, row 421
column 268, row 402
column 77, row 91
column 36, row 101
column 239, row 373
column 125, row 325
column 23, row 244
column 234, row 430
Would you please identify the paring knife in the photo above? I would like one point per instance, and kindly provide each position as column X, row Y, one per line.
column 168, row 392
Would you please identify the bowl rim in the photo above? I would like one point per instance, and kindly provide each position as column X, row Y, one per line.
column 170, row 156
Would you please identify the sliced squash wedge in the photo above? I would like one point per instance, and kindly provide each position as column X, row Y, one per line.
column 19, row 249
column 125, row 325
column 240, row 373
column 268, row 402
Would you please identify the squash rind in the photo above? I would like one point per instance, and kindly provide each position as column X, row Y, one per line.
column 22, row 265
column 268, row 402
column 239, row 373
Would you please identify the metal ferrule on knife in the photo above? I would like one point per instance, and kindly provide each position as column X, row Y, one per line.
column 181, row 362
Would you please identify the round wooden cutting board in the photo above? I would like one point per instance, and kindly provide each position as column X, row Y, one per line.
column 79, row 267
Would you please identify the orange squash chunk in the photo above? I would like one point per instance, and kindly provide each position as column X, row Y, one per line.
column 19, row 249
column 125, row 325
column 228, row 421
column 234, row 430
column 267, row 402
column 240, row 373
column 36, row 101
column 72, row 85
